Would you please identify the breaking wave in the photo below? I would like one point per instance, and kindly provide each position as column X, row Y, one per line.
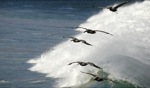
column 125, row 57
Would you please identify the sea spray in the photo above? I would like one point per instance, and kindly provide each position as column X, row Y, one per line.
column 125, row 56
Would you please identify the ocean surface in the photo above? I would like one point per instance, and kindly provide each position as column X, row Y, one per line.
column 35, row 47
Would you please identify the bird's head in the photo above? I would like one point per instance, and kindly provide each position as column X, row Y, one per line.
column 71, row 40
column 85, row 31
column 69, row 63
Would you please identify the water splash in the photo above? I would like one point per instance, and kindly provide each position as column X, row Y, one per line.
column 125, row 56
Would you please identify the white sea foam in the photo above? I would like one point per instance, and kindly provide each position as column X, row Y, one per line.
column 126, row 55
column 3, row 81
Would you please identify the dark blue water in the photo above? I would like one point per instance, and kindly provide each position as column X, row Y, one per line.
column 26, row 31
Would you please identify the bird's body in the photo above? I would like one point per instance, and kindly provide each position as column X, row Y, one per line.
column 90, row 31
column 112, row 9
column 86, row 63
column 79, row 40
column 99, row 79
column 75, row 40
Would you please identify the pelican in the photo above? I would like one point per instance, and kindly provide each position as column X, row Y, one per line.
column 114, row 9
column 86, row 63
column 97, row 78
column 90, row 31
column 79, row 40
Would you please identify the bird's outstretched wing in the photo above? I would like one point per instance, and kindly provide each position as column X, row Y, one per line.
column 121, row 4
column 83, row 41
column 104, row 32
column 89, row 73
column 92, row 64
column 84, row 28
column 76, row 27
column 97, row 7
column 72, row 37
column 101, row 7
column 108, row 79
column 73, row 62
column 69, row 37
column 80, row 27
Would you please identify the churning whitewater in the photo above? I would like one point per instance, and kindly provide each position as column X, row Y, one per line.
column 125, row 56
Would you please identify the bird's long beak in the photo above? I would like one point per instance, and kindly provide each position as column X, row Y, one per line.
column 69, row 64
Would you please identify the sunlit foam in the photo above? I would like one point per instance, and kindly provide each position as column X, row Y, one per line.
column 126, row 55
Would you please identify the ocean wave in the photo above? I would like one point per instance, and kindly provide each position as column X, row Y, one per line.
column 125, row 56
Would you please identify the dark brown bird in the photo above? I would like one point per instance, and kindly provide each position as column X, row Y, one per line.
column 97, row 78
column 79, row 40
column 114, row 9
column 86, row 63
column 90, row 31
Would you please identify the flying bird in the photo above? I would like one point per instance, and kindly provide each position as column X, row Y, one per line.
column 114, row 9
column 86, row 63
column 80, row 40
column 90, row 31
column 97, row 78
